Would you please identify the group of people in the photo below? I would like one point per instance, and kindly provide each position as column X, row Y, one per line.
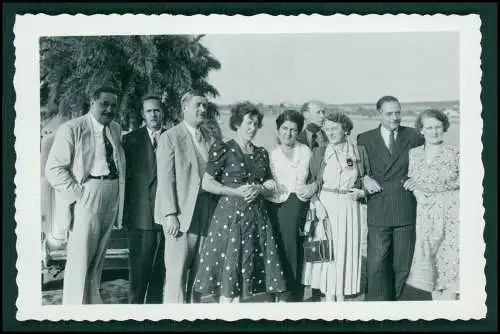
column 209, row 220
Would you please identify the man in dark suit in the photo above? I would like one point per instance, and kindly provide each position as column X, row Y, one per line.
column 391, row 208
column 146, row 239
column 312, row 135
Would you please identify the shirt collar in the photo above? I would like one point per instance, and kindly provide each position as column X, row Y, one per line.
column 152, row 133
column 98, row 126
column 191, row 129
column 386, row 132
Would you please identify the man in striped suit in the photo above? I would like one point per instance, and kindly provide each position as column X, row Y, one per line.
column 391, row 208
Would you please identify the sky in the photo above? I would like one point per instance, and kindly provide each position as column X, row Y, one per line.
column 335, row 67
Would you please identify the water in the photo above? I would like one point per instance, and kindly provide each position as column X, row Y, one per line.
column 267, row 134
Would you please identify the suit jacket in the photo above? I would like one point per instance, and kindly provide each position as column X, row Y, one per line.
column 302, row 137
column 317, row 166
column 140, row 183
column 393, row 206
column 68, row 166
column 179, row 180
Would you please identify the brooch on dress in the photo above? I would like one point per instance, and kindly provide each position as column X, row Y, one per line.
column 350, row 163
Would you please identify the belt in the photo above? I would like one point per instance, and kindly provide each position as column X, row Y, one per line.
column 336, row 191
column 104, row 177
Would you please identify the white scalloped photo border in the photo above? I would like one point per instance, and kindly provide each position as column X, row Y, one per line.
column 28, row 28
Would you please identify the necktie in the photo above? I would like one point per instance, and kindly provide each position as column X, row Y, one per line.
column 314, row 140
column 155, row 140
column 202, row 144
column 314, row 129
column 392, row 142
column 109, row 153
column 199, row 135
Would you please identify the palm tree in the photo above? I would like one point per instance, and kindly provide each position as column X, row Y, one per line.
column 165, row 65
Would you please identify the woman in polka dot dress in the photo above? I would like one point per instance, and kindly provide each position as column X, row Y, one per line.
column 239, row 256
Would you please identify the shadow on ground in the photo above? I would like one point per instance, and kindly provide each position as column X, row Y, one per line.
column 114, row 288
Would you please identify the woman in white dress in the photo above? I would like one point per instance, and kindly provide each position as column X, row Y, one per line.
column 338, row 170
column 289, row 163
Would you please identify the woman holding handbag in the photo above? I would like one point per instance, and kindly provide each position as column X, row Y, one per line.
column 332, row 254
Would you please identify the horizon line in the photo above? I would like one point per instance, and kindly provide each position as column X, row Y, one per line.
column 346, row 103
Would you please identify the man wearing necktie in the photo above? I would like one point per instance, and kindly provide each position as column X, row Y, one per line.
column 181, row 206
column 86, row 167
column 312, row 135
column 391, row 208
column 145, row 238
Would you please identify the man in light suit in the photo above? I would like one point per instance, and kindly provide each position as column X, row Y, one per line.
column 391, row 208
column 145, row 238
column 86, row 167
column 182, row 207
column 312, row 135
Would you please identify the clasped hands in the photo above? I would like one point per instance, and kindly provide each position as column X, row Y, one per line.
column 371, row 185
column 411, row 185
column 250, row 191
column 307, row 191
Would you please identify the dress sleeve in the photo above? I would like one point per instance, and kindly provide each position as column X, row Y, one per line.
column 411, row 164
column 453, row 183
column 217, row 159
column 266, row 166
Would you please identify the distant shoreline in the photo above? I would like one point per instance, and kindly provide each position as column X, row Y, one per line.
column 453, row 119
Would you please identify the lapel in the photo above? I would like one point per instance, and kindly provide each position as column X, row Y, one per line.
column 381, row 148
column 151, row 154
column 150, row 157
column 319, row 152
column 186, row 141
column 302, row 137
column 115, row 141
column 402, row 140
column 88, row 145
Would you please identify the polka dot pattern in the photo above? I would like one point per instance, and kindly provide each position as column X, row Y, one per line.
column 245, row 261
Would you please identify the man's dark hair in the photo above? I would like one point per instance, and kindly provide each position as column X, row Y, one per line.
column 104, row 89
column 189, row 95
column 151, row 97
column 386, row 99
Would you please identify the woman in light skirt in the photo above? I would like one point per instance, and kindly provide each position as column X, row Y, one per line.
column 338, row 170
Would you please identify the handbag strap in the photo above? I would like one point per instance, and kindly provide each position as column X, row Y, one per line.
column 323, row 251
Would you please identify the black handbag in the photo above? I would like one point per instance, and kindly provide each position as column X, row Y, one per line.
column 317, row 251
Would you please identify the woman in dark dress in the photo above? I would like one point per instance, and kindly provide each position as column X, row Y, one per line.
column 239, row 257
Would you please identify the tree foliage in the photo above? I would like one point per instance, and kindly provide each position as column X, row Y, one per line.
column 164, row 65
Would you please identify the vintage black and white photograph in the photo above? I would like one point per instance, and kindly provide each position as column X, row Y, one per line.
column 293, row 167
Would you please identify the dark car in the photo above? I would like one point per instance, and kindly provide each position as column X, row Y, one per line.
column 116, row 258
column 54, row 261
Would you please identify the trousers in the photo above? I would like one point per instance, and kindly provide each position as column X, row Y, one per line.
column 94, row 215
